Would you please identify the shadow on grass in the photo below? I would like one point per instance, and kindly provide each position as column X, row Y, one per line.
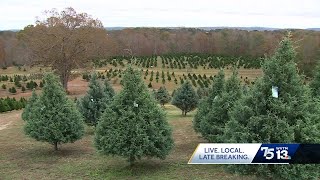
column 118, row 167
column 179, row 116
column 47, row 153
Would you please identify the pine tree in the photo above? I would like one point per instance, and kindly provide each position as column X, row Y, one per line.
column 262, row 117
column 108, row 92
column 54, row 118
column 133, row 126
column 13, row 90
column 4, row 107
column 185, row 98
column 10, row 104
column 163, row 96
column 30, row 106
column 93, row 104
column 205, row 104
column 212, row 123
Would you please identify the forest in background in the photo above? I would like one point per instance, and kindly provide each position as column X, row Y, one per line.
column 159, row 41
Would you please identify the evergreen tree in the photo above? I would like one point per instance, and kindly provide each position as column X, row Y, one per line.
column 4, row 107
column 54, row 118
column 108, row 92
column 30, row 106
column 163, row 96
column 10, row 103
column 206, row 103
column 133, row 126
column 163, row 81
column 266, row 118
column 202, row 92
column 13, row 90
column 93, row 104
column 185, row 98
column 212, row 123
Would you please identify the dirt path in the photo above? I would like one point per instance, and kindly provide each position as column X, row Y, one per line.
column 6, row 119
column 5, row 126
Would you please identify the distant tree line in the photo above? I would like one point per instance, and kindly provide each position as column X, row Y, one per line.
column 155, row 41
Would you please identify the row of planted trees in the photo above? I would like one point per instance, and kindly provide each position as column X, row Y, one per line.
column 9, row 104
column 128, row 124
column 231, row 115
column 183, row 60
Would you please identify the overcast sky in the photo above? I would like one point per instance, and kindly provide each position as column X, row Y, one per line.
column 16, row 14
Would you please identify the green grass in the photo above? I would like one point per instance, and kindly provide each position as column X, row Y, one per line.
column 25, row 158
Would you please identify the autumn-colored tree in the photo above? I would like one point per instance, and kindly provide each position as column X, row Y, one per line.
column 2, row 53
column 65, row 40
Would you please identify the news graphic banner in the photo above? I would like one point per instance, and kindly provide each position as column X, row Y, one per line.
column 256, row 153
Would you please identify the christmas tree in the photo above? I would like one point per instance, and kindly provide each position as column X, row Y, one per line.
column 134, row 126
column 93, row 104
column 185, row 98
column 108, row 92
column 54, row 118
column 31, row 105
column 205, row 104
column 212, row 122
column 276, row 110
column 162, row 95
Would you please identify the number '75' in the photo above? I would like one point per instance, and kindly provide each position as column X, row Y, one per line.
column 268, row 152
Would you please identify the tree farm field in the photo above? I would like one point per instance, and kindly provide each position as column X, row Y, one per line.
column 24, row 158
column 78, row 86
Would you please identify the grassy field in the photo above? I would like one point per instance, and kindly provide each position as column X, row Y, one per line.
column 24, row 158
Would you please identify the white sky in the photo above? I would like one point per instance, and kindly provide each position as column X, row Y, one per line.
column 16, row 14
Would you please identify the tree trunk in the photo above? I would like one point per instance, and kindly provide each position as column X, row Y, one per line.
column 131, row 161
column 56, row 146
column 185, row 113
column 64, row 77
column 65, row 84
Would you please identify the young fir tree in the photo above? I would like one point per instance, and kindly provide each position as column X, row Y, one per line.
column 185, row 98
column 133, row 126
column 212, row 123
column 93, row 104
column 205, row 104
column 108, row 92
column 54, row 118
column 30, row 105
column 163, row 96
column 265, row 118
column 4, row 107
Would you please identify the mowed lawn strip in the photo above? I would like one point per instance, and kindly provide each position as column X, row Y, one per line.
column 24, row 158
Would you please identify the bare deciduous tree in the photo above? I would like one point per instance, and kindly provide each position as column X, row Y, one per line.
column 65, row 41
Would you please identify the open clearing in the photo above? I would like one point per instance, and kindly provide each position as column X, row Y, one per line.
column 24, row 158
